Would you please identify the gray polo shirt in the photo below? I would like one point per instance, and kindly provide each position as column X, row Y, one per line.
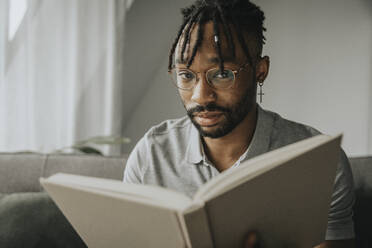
column 171, row 155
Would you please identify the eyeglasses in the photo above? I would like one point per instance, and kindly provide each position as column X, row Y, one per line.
column 186, row 79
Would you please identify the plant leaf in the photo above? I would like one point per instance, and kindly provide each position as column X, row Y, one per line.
column 88, row 150
column 104, row 140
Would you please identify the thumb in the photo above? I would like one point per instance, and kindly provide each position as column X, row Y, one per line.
column 252, row 240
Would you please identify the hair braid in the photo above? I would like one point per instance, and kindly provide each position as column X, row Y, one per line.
column 217, row 38
column 199, row 40
column 174, row 45
column 187, row 32
column 227, row 30
column 242, row 15
column 242, row 42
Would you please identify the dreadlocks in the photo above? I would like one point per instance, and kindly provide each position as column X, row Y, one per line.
column 242, row 15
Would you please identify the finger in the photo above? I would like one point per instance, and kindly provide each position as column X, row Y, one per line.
column 252, row 240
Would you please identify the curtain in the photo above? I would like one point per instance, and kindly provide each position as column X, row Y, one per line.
column 61, row 74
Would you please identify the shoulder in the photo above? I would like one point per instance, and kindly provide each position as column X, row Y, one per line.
column 161, row 141
column 174, row 130
column 286, row 131
column 169, row 126
column 166, row 139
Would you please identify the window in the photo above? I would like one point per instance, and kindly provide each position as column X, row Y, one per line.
column 17, row 11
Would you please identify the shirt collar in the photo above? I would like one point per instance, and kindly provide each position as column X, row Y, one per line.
column 194, row 152
column 260, row 142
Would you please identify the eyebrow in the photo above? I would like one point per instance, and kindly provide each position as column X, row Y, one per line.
column 213, row 60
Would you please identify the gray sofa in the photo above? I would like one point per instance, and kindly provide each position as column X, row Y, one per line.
column 29, row 218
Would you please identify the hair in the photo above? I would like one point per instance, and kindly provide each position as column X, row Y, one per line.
column 241, row 15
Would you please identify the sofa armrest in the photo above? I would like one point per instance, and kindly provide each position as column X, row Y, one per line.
column 20, row 172
column 33, row 220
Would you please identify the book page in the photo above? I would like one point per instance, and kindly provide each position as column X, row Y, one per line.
column 102, row 219
column 254, row 167
column 149, row 194
column 287, row 204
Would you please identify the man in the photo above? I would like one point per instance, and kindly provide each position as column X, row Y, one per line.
column 216, row 62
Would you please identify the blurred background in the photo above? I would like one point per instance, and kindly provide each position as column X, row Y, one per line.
column 75, row 69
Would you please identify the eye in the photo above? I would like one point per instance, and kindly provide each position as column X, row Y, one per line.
column 223, row 75
column 185, row 75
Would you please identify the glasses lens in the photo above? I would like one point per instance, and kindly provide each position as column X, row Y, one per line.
column 183, row 78
column 221, row 79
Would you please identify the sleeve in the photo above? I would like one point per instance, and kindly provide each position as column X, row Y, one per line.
column 340, row 222
column 137, row 161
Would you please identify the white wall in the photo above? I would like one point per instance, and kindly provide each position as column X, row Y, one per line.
column 370, row 115
column 160, row 102
column 321, row 62
column 321, row 65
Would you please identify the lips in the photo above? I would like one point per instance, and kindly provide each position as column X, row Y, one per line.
column 207, row 119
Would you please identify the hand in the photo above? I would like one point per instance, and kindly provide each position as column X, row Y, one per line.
column 252, row 240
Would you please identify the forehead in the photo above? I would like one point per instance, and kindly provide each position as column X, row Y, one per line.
column 208, row 47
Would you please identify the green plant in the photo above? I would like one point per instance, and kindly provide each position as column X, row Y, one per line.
column 85, row 146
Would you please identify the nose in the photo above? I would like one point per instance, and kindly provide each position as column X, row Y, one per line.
column 203, row 93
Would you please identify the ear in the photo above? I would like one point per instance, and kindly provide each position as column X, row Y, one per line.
column 262, row 69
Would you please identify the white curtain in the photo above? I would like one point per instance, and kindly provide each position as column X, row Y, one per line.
column 61, row 74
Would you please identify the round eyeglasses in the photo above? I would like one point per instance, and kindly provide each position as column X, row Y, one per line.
column 186, row 79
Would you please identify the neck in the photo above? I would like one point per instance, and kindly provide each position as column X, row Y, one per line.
column 225, row 151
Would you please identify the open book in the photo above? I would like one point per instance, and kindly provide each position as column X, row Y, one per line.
column 284, row 194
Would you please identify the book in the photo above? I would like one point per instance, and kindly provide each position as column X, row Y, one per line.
column 284, row 195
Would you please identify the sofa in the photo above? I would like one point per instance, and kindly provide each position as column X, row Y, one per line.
column 29, row 218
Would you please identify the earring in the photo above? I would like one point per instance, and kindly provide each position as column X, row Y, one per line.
column 261, row 93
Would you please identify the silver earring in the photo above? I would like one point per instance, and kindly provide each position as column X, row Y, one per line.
column 261, row 93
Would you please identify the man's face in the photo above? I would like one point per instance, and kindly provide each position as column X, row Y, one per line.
column 216, row 112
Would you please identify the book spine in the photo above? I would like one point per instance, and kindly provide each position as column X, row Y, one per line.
column 183, row 227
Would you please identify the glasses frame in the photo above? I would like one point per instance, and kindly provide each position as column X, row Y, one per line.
column 235, row 72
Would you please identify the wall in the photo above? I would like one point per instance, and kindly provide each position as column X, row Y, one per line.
column 320, row 71
column 321, row 66
column 160, row 102
column 370, row 111
column 146, row 42
column 150, row 30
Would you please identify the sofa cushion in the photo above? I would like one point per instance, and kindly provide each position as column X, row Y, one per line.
column 20, row 172
column 33, row 220
column 86, row 165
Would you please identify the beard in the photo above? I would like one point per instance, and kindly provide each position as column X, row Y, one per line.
column 233, row 115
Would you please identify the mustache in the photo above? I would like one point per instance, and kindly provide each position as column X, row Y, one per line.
column 209, row 107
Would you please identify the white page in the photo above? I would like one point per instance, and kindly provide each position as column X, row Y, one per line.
column 104, row 219
column 287, row 204
column 254, row 167
column 145, row 193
